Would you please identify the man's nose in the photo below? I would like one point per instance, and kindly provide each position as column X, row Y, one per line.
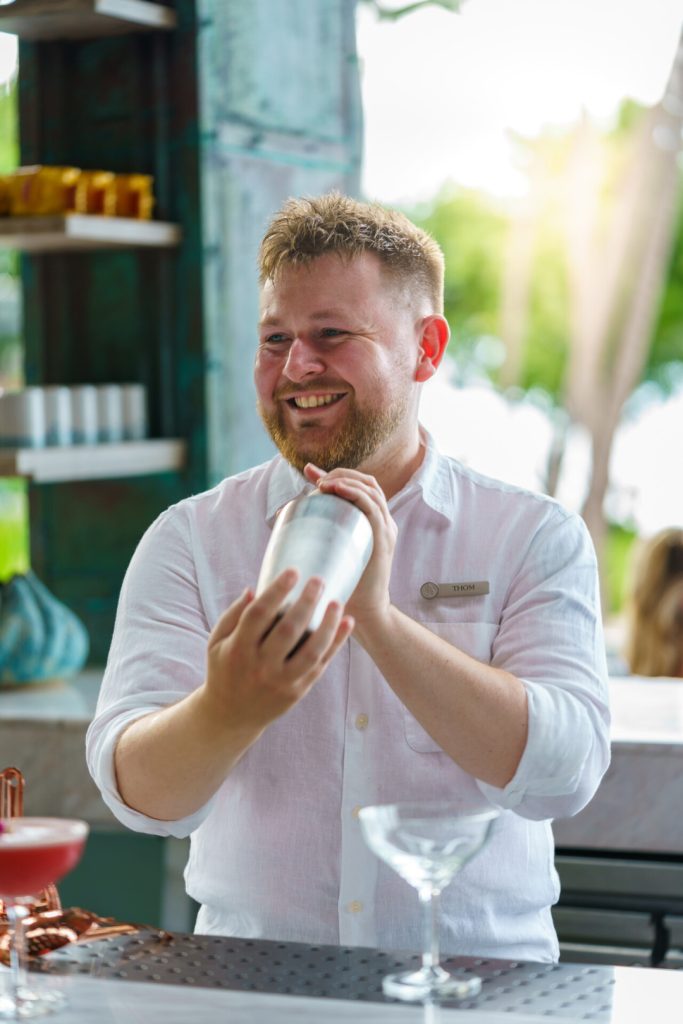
column 302, row 360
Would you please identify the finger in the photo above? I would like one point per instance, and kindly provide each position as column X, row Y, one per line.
column 313, row 473
column 368, row 485
column 368, row 499
column 344, row 631
column 346, row 485
column 264, row 609
column 290, row 629
column 314, row 651
column 317, row 667
column 230, row 617
column 351, row 474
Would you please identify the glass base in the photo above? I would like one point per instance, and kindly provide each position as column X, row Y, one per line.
column 31, row 1004
column 430, row 983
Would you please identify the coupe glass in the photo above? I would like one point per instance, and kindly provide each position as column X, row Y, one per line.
column 34, row 853
column 427, row 844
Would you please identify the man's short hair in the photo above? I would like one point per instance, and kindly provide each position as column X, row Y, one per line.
column 304, row 229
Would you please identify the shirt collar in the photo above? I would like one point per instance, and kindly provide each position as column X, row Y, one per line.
column 431, row 478
column 285, row 484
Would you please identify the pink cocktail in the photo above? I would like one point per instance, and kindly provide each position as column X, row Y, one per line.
column 34, row 853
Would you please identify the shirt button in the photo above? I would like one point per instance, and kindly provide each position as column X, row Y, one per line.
column 356, row 810
column 361, row 721
column 355, row 907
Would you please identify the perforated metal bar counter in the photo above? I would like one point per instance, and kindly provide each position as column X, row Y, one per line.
column 573, row 991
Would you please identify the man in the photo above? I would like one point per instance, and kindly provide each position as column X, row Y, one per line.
column 492, row 692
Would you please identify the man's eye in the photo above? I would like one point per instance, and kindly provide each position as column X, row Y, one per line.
column 274, row 339
column 331, row 332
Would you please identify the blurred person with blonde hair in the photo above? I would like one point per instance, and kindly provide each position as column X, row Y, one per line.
column 655, row 641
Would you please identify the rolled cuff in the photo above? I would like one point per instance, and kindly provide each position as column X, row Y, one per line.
column 101, row 748
column 566, row 755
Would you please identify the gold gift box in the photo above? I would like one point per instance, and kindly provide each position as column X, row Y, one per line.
column 91, row 191
column 131, row 196
column 41, row 191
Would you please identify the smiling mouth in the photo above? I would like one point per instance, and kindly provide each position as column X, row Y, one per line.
column 313, row 401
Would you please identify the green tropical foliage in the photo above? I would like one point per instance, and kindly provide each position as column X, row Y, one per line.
column 490, row 243
column 14, row 532
column 14, row 540
column 472, row 228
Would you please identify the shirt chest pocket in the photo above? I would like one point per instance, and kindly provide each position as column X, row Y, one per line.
column 475, row 639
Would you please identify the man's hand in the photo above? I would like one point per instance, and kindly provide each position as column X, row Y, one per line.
column 476, row 713
column 252, row 675
column 370, row 600
column 170, row 762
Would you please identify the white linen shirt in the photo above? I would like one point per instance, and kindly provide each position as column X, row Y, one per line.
column 278, row 852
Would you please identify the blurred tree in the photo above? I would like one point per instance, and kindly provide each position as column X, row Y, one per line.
column 9, row 140
column 471, row 232
column 14, row 534
column 573, row 278
column 618, row 251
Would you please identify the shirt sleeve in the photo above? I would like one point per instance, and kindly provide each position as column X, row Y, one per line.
column 551, row 638
column 157, row 651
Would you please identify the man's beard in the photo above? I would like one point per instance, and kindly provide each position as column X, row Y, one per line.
column 360, row 435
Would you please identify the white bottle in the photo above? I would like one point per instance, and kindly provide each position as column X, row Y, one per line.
column 84, row 413
column 22, row 418
column 58, row 430
column 109, row 413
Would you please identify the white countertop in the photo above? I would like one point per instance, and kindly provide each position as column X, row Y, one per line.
column 632, row 810
column 69, row 700
column 637, row 995
column 646, row 711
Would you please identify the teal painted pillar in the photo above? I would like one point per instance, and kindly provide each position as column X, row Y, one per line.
column 280, row 115
column 125, row 103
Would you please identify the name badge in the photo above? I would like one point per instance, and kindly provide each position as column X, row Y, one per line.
column 466, row 589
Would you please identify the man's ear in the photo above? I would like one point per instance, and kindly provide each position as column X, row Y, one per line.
column 433, row 341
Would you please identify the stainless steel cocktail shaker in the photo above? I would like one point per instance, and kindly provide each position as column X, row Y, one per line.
column 320, row 535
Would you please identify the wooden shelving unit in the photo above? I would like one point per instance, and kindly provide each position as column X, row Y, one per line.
column 74, row 232
column 38, row 20
column 93, row 462
column 109, row 298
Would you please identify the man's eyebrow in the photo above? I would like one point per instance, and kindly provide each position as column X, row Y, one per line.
column 329, row 314
column 319, row 315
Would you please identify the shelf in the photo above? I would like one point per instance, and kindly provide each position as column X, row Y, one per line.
column 93, row 461
column 74, row 232
column 83, row 19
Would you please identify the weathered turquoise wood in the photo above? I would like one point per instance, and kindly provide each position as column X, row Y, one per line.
column 280, row 115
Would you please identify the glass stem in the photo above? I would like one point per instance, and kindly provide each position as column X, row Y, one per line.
column 429, row 898
column 17, row 948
